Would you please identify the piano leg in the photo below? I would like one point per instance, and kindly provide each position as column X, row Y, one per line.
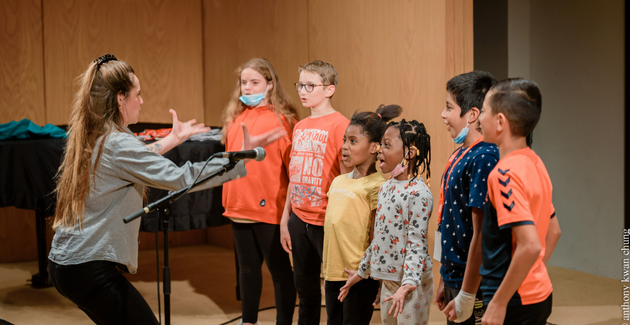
column 40, row 280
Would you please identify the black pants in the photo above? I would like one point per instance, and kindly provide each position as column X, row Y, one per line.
column 450, row 293
column 307, row 242
column 102, row 292
column 535, row 314
column 255, row 242
column 356, row 308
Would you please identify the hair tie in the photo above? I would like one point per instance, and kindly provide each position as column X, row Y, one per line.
column 105, row 58
column 379, row 115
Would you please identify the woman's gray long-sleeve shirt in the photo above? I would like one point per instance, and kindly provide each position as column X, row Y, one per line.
column 125, row 167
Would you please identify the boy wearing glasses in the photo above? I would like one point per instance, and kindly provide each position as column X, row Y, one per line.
column 315, row 162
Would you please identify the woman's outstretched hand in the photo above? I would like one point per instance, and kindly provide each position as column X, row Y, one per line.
column 180, row 132
column 183, row 130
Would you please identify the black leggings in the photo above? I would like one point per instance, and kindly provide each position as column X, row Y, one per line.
column 255, row 242
column 357, row 308
column 101, row 292
column 535, row 314
column 307, row 242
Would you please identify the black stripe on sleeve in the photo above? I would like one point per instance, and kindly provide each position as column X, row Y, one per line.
column 516, row 224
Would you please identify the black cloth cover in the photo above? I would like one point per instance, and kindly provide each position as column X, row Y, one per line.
column 27, row 181
column 27, row 171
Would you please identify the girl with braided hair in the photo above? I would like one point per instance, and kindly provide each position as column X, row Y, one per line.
column 398, row 254
column 349, row 218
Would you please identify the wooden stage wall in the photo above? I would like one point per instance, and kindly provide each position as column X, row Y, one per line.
column 185, row 54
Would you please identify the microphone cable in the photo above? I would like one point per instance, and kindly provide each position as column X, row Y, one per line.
column 197, row 178
column 157, row 258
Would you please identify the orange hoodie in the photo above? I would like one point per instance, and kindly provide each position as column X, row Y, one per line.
column 261, row 195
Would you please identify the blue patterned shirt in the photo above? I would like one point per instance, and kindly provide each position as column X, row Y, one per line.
column 465, row 189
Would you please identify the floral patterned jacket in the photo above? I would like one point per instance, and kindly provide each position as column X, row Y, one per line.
column 399, row 251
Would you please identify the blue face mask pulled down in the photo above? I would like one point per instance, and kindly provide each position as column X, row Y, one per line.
column 459, row 139
column 254, row 99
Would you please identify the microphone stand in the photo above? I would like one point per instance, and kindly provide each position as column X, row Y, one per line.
column 164, row 204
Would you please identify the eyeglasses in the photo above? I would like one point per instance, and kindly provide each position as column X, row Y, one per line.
column 308, row 87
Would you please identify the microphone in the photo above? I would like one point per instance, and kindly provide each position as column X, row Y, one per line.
column 257, row 154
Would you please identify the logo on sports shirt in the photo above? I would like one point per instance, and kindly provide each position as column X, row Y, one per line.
column 507, row 194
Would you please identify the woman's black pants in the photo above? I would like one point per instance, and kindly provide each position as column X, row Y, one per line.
column 102, row 292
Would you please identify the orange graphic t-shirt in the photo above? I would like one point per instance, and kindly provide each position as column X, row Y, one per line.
column 314, row 164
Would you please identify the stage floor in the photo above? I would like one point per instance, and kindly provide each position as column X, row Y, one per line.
column 203, row 292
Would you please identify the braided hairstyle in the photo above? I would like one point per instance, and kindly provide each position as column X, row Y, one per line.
column 374, row 124
column 414, row 134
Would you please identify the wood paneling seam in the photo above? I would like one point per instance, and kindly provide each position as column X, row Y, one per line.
column 44, row 62
column 203, row 63
column 308, row 32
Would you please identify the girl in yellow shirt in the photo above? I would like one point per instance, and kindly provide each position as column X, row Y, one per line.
column 352, row 200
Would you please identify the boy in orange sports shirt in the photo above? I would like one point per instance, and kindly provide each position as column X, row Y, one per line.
column 315, row 162
column 520, row 228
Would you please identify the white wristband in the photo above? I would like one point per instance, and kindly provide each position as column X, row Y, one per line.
column 464, row 305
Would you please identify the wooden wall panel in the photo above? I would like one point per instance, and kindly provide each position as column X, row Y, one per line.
column 160, row 39
column 387, row 52
column 396, row 52
column 221, row 236
column 185, row 54
column 21, row 66
column 468, row 35
column 18, row 235
column 21, row 96
column 237, row 31
column 459, row 37
column 175, row 239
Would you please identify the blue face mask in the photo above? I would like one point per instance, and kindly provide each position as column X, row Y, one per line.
column 459, row 139
column 254, row 99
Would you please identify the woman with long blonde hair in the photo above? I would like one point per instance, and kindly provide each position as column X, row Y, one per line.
column 102, row 179
column 255, row 203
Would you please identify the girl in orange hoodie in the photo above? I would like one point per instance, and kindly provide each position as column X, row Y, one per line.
column 255, row 203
